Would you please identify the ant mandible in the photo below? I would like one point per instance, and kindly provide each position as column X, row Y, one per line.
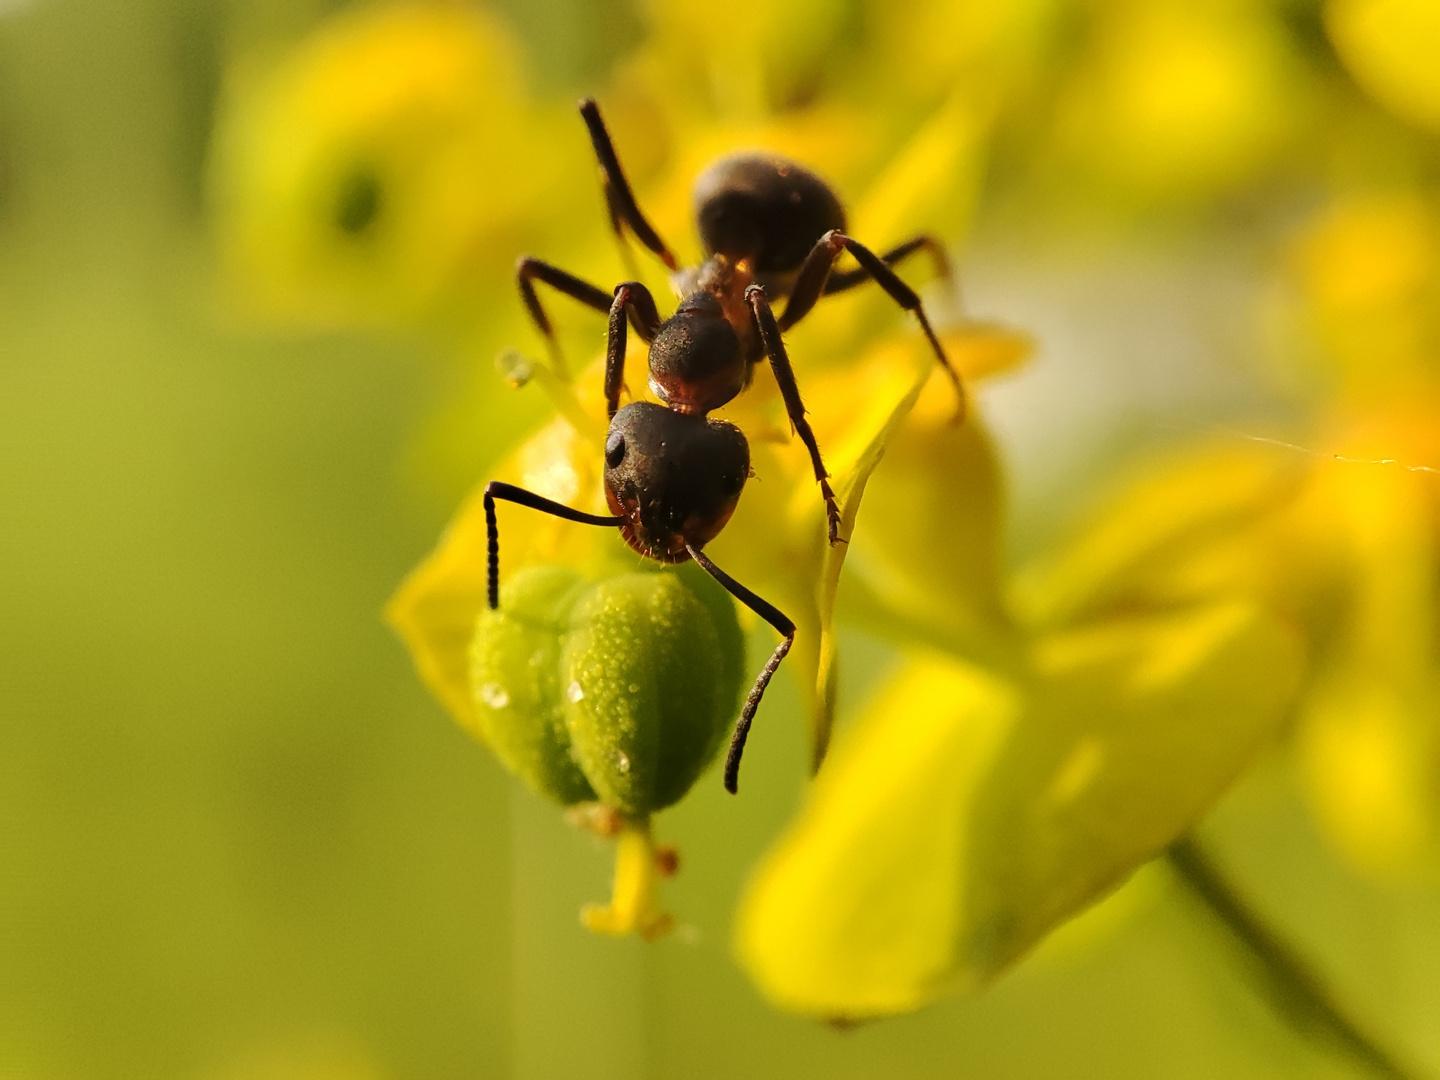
column 672, row 476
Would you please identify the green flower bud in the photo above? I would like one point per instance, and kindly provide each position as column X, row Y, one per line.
column 620, row 690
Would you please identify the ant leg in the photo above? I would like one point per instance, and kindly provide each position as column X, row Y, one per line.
column 847, row 279
column 633, row 300
column 528, row 271
column 810, row 283
column 619, row 199
column 510, row 493
column 794, row 407
column 776, row 618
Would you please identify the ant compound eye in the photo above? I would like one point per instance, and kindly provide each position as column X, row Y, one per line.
column 614, row 449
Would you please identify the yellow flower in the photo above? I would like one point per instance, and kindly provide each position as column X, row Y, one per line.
column 371, row 174
column 972, row 809
column 1390, row 47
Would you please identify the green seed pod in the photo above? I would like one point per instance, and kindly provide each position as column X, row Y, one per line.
column 620, row 689
column 515, row 677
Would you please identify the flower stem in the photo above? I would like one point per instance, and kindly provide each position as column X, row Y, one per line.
column 1296, row 990
column 634, row 905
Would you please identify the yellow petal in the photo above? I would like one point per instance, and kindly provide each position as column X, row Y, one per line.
column 1369, row 737
column 1133, row 545
column 1368, row 753
column 1390, row 47
column 964, row 817
column 925, row 555
column 856, row 910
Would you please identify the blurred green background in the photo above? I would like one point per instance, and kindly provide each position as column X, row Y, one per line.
column 238, row 839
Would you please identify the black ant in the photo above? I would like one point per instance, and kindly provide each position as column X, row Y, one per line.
column 771, row 229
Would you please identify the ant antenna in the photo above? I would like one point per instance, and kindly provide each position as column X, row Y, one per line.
column 510, row 493
column 776, row 618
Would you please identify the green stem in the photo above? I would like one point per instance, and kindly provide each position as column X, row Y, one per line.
column 1296, row 989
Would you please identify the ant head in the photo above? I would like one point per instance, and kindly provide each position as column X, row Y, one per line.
column 674, row 478
column 696, row 363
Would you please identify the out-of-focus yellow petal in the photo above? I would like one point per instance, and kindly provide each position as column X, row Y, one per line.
column 1369, row 273
column 746, row 65
column 857, row 909
column 1180, row 100
column 1390, row 47
column 964, row 817
column 931, row 184
column 925, row 555
column 979, row 349
column 1134, row 546
column 1368, row 753
column 1369, row 738
column 986, row 46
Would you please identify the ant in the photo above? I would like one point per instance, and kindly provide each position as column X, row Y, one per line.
column 771, row 229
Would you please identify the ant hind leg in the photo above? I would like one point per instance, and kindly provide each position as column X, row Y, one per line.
column 843, row 280
column 810, row 286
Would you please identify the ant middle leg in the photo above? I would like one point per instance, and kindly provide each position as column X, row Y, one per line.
column 776, row 618
column 790, row 392
column 840, row 281
column 632, row 303
column 620, row 201
column 810, row 286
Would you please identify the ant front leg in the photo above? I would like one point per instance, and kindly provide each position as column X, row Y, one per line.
column 510, row 493
column 632, row 301
column 776, row 618
column 619, row 199
column 840, row 281
column 810, row 286
column 794, row 407
column 528, row 271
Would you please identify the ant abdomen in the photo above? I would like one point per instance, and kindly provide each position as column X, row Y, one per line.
column 766, row 209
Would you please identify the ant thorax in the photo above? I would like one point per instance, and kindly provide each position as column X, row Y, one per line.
column 700, row 358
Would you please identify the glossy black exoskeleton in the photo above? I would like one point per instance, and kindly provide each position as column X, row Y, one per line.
column 771, row 230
